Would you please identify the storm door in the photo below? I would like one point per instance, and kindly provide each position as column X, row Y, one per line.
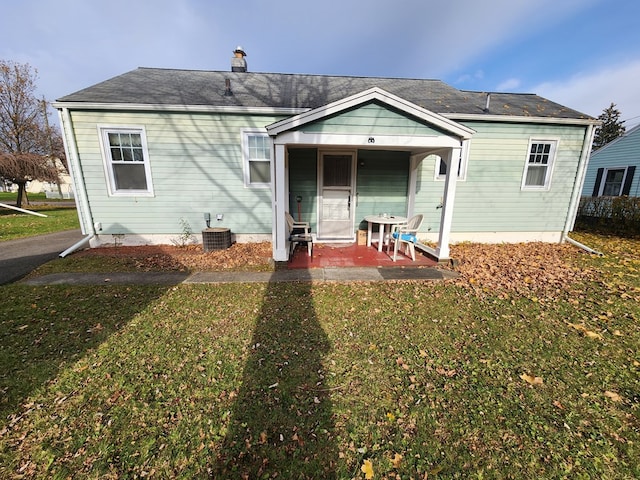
column 336, row 203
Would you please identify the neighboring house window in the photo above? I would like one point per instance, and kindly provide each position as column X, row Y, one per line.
column 613, row 182
column 257, row 159
column 537, row 172
column 126, row 160
column 441, row 167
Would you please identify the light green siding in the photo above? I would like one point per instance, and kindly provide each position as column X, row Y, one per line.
column 491, row 198
column 371, row 119
column 303, row 182
column 382, row 184
column 196, row 167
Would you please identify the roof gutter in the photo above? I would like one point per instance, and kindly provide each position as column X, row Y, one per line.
column 520, row 119
column 158, row 107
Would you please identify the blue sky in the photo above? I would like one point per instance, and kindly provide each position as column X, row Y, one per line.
column 584, row 54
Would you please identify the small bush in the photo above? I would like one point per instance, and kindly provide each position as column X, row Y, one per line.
column 613, row 214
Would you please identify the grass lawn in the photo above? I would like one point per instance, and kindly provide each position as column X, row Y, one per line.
column 463, row 379
column 14, row 224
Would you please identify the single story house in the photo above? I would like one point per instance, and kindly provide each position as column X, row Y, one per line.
column 153, row 150
column 612, row 168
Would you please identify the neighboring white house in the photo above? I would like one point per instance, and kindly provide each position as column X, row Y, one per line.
column 154, row 148
column 612, row 168
column 64, row 189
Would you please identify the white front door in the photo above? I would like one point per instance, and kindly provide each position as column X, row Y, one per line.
column 336, row 196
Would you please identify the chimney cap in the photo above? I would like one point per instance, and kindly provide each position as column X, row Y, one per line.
column 239, row 49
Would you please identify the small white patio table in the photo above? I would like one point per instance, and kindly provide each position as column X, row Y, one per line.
column 384, row 222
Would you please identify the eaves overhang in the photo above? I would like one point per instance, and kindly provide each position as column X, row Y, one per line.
column 145, row 107
column 373, row 94
column 520, row 119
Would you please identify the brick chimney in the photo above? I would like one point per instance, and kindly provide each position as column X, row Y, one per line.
column 238, row 63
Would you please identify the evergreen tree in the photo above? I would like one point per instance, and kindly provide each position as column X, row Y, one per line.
column 612, row 127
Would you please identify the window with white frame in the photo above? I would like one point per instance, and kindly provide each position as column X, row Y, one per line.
column 540, row 159
column 441, row 166
column 257, row 159
column 126, row 160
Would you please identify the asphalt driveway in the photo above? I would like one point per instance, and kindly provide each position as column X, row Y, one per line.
column 22, row 256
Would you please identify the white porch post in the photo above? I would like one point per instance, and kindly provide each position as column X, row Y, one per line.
column 451, row 159
column 279, row 205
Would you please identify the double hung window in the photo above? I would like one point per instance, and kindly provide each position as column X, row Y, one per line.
column 257, row 159
column 126, row 160
column 539, row 165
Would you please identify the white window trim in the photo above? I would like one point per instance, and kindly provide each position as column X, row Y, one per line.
column 464, row 162
column 103, row 132
column 552, row 162
column 245, row 134
column 603, row 180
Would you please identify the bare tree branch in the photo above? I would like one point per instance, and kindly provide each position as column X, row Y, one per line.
column 28, row 143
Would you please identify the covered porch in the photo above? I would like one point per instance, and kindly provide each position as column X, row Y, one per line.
column 343, row 255
column 338, row 165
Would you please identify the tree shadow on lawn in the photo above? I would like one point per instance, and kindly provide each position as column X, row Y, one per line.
column 44, row 329
column 281, row 423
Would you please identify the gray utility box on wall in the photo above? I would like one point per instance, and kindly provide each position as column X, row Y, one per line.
column 217, row 238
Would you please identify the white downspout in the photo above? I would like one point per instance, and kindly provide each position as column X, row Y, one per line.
column 582, row 246
column 22, row 210
column 75, row 170
column 76, row 246
column 577, row 192
column 579, row 184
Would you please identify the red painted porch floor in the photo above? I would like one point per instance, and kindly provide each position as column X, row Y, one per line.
column 353, row 255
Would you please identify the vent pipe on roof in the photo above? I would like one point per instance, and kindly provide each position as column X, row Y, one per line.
column 487, row 103
column 238, row 63
column 227, row 88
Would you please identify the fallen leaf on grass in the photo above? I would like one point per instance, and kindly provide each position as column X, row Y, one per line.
column 396, row 460
column 531, row 380
column 613, row 396
column 583, row 329
column 367, row 469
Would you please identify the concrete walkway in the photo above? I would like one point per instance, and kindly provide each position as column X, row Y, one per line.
column 352, row 274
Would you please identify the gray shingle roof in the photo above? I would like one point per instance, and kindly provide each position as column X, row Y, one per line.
column 156, row 86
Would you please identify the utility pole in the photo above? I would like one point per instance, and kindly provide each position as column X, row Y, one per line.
column 48, row 130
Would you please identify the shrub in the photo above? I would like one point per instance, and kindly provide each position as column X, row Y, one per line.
column 613, row 214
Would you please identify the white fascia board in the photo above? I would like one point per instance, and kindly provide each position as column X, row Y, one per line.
column 369, row 141
column 520, row 119
column 178, row 108
column 365, row 96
